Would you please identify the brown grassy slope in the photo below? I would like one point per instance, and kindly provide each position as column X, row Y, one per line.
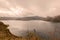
column 5, row 34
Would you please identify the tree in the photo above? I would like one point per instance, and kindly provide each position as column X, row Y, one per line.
column 56, row 19
column 48, row 18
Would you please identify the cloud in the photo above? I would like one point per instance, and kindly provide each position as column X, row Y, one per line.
column 37, row 7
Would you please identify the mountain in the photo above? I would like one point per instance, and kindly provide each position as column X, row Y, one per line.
column 22, row 18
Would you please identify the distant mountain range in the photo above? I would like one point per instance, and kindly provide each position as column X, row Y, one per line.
column 29, row 18
column 22, row 18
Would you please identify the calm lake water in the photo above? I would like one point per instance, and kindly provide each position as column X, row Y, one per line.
column 16, row 27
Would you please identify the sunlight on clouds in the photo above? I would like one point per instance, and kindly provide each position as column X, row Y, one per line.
column 16, row 10
column 13, row 11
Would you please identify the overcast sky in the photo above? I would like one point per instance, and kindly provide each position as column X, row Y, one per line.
column 20, row 8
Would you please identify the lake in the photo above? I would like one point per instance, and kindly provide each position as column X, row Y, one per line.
column 18, row 28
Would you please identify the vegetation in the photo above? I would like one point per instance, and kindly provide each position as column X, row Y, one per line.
column 55, row 19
